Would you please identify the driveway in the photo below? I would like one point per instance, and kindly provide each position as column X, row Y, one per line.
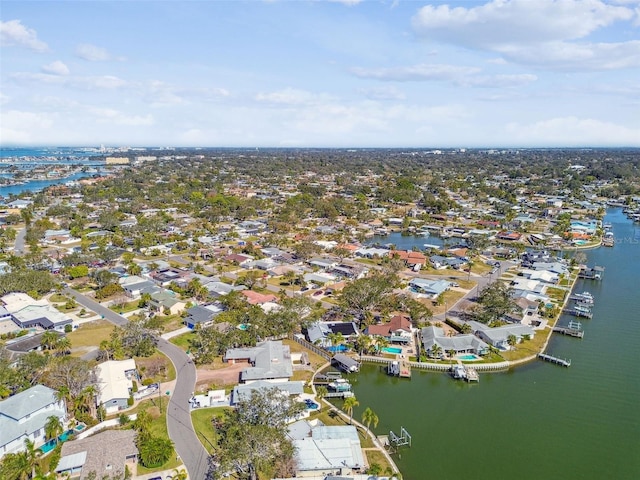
column 181, row 431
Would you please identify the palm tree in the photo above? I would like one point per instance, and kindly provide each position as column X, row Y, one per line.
column 32, row 455
column 368, row 417
column 451, row 353
column 335, row 338
column 16, row 466
column 435, row 350
column 179, row 475
column 53, row 428
column 321, row 392
column 86, row 401
column 63, row 346
column 49, row 340
column 348, row 405
column 143, row 422
column 63, row 395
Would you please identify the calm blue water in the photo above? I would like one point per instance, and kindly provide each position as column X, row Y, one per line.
column 45, row 152
column 408, row 242
column 538, row 421
column 37, row 185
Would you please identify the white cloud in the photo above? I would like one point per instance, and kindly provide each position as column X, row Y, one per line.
column 110, row 115
column 292, row 96
column 13, row 33
column 349, row 3
column 544, row 33
column 575, row 56
column 573, row 131
column 498, row 81
column 162, row 94
column 107, row 82
column 463, row 76
column 20, row 127
column 386, row 92
column 4, row 99
column 501, row 22
column 93, row 53
column 415, row 72
column 56, row 68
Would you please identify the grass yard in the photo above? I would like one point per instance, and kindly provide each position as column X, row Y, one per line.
column 157, row 408
column 90, row 334
column 201, row 419
column 376, row 457
column 125, row 307
column 182, row 341
column 315, row 360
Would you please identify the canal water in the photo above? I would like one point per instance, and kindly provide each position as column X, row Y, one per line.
column 539, row 421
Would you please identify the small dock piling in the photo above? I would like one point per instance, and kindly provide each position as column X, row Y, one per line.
column 558, row 361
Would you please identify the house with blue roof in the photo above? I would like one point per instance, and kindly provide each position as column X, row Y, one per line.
column 429, row 288
column 24, row 415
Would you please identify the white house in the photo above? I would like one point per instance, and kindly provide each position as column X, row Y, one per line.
column 25, row 414
column 115, row 383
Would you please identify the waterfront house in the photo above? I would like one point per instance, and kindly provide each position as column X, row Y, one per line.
column 108, row 453
column 243, row 391
column 499, row 336
column 318, row 332
column 466, row 343
column 24, row 415
column 399, row 329
column 326, row 450
column 270, row 360
column 115, row 382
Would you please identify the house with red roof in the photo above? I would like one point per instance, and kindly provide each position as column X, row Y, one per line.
column 255, row 298
column 398, row 329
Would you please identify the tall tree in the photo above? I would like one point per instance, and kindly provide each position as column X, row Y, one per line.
column 53, row 428
column 252, row 437
column 369, row 417
column 348, row 405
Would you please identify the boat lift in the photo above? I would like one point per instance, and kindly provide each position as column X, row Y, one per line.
column 399, row 441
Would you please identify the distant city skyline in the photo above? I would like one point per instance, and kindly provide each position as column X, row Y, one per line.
column 335, row 73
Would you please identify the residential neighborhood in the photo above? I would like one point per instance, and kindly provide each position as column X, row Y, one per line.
column 132, row 307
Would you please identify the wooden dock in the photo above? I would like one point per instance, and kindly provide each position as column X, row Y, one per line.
column 558, row 361
column 338, row 395
column 472, row 375
column 572, row 332
column 578, row 313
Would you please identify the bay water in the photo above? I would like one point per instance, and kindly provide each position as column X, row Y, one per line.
column 538, row 421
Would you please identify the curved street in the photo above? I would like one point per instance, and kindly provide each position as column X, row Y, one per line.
column 181, row 431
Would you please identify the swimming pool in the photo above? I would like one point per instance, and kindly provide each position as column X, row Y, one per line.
column 395, row 350
column 337, row 348
column 468, row 356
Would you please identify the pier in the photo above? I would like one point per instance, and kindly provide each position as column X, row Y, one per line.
column 572, row 332
column 558, row 361
column 578, row 312
column 400, row 368
column 338, row 394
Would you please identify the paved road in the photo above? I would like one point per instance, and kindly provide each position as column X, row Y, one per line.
column 181, row 429
column 19, row 245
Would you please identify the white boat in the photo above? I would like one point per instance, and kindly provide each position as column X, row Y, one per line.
column 584, row 297
column 458, row 372
column 393, row 368
column 340, row 385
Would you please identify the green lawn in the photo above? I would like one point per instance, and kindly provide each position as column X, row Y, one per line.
column 125, row 308
column 90, row 334
column 182, row 341
column 201, row 419
column 157, row 408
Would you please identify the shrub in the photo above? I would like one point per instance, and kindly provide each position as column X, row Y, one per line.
column 68, row 328
column 130, row 400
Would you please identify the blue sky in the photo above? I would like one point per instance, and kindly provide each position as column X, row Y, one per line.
column 321, row 73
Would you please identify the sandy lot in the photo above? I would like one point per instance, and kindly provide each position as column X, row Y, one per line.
column 222, row 376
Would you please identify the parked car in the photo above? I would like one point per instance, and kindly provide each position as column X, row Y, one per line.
column 319, row 292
